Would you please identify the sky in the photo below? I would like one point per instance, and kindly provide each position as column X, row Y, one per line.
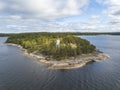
column 18, row 16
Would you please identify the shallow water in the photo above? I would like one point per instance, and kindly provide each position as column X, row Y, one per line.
column 18, row 72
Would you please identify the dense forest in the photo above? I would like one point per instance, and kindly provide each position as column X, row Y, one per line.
column 45, row 43
column 5, row 35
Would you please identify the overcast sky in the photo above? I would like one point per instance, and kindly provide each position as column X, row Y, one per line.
column 59, row 16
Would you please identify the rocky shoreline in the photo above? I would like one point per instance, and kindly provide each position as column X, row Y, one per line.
column 73, row 62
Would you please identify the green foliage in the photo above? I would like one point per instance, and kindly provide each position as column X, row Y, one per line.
column 45, row 43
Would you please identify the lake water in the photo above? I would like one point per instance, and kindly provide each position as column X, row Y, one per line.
column 18, row 72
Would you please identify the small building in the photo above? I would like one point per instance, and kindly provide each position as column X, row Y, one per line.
column 58, row 43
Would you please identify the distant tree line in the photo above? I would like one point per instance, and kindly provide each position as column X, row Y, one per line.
column 70, row 33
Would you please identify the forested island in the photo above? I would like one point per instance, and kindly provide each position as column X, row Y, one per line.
column 72, row 52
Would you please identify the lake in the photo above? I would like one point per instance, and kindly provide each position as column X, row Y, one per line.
column 19, row 72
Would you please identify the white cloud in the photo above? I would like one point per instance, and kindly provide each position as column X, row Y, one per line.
column 114, row 2
column 47, row 9
column 15, row 17
column 95, row 16
column 2, row 5
column 56, row 8
column 112, row 11
column 28, row 16
column 109, row 2
column 102, row 1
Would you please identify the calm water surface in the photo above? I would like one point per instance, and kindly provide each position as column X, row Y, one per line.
column 18, row 72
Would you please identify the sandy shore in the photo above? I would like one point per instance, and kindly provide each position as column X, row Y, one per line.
column 71, row 63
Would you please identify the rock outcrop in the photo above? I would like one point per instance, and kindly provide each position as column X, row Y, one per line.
column 71, row 63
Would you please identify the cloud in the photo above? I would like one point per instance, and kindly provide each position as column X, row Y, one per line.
column 1, row 5
column 114, row 2
column 95, row 16
column 112, row 6
column 109, row 2
column 112, row 12
column 47, row 9
column 55, row 15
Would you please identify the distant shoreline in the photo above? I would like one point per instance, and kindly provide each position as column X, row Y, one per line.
column 73, row 33
column 71, row 63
